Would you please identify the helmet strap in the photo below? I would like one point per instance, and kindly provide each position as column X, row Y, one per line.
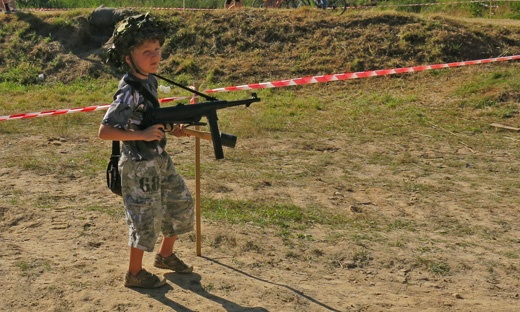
column 134, row 66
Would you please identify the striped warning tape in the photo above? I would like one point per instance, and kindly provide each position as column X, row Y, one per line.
column 283, row 83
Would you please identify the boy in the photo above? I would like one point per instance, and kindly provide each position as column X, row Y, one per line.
column 155, row 197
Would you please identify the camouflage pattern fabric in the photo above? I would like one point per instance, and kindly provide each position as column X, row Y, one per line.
column 126, row 112
column 131, row 32
column 156, row 200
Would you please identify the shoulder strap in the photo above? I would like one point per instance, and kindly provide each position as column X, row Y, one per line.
column 116, row 151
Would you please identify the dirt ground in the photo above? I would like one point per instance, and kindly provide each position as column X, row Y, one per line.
column 57, row 258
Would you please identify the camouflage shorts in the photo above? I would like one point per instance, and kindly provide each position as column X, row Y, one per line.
column 156, row 199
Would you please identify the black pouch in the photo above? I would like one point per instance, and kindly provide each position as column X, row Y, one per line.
column 113, row 176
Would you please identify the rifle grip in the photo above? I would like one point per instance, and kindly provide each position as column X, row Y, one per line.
column 215, row 134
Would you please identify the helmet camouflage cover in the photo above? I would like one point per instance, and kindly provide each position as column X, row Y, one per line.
column 131, row 32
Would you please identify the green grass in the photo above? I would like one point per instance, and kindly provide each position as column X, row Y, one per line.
column 33, row 268
column 264, row 214
column 436, row 267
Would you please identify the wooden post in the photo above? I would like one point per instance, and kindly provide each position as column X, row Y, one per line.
column 198, row 231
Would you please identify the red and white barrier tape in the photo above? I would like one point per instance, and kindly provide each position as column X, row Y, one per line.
column 54, row 112
column 171, row 99
column 284, row 83
column 365, row 74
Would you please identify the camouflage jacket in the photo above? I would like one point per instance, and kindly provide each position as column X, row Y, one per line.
column 126, row 112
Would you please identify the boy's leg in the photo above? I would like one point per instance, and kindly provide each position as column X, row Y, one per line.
column 167, row 246
column 139, row 277
column 140, row 211
column 135, row 264
column 178, row 217
column 173, row 263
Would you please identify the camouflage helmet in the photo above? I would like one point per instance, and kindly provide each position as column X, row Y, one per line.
column 130, row 32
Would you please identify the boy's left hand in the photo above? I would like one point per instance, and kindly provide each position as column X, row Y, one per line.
column 178, row 131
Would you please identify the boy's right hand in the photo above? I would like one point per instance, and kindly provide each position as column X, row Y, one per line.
column 153, row 133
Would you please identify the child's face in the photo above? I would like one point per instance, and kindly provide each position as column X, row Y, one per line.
column 146, row 57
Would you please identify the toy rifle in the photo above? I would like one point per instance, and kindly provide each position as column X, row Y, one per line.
column 192, row 114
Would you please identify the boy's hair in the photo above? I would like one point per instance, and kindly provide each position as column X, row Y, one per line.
column 131, row 32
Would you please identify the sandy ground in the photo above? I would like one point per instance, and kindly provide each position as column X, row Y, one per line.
column 60, row 256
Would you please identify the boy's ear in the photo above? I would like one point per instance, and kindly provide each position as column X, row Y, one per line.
column 127, row 60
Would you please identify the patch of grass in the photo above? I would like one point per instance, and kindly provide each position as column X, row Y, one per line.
column 264, row 214
column 512, row 254
column 224, row 241
column 401, row 225
column 397, row 243
column 208, row 287
column 361, row 258
column 251, row 247
column 33, row 268
column 305, row 236
column 109, row 210
column 435, row 267
column 486, row 90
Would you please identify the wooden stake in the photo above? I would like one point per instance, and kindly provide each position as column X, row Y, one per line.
column 198, row 231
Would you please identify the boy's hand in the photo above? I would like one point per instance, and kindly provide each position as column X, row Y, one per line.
column 153, row 133
column 178, row 131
